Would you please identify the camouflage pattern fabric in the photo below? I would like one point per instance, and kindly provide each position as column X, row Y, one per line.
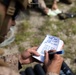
column 10, row 61
column 8, row 71
column 1, row 52
column 9, row 58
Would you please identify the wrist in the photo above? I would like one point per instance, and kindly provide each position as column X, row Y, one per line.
column 53, row 69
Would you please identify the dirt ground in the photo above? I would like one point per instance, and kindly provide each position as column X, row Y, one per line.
column 36, row 19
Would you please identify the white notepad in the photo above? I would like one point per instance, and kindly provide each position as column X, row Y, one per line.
column 49, row 43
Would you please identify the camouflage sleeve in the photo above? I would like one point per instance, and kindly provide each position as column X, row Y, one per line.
column 42, row 4
column 50, row 73
column 8, row 71
column 12, row 61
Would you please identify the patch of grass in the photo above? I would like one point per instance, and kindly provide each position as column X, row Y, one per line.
column 21, row 49
column 73, row 26
column 74, row 71
column 73, row 10
column 44, row 29
column 23, row 32
column 22, row 37
column 36, row 41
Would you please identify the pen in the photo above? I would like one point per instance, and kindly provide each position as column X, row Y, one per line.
column 58, row 52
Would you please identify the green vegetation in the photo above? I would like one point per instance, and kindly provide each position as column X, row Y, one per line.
column 23, row 33
column 64, row 29
column 73, row 10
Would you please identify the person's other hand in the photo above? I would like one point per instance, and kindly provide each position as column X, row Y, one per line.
column 53, row 65
column 26, row 56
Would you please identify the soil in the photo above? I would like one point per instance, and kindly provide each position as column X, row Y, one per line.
column 36, row 19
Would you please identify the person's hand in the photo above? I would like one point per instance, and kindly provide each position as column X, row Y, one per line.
column 54, row 5
column 45, row 10
column 53, row 65
column 26, row 56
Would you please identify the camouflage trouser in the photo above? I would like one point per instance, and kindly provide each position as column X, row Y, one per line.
column 43, row 3
column 29, row 1
column 8, row 71
column 10, row 60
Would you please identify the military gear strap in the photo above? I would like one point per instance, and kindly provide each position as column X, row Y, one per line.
column 9, row 14
column 24, row 3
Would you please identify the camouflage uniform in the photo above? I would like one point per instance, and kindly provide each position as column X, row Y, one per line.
column 9, row 58
column 7, row 71
column 9, row 9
